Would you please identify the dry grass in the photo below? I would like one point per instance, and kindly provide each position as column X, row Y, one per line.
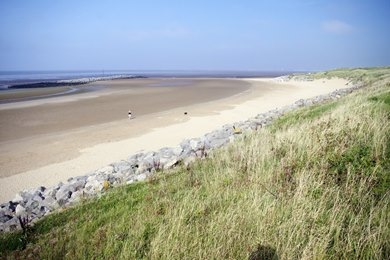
column 306, row 187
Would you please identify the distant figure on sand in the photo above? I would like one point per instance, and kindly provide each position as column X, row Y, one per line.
column 129, row 114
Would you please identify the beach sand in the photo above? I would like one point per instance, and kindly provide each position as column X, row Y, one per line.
column 47, row 141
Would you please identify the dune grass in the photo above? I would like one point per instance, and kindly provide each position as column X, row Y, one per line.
column 366, row 75
column 314, row 184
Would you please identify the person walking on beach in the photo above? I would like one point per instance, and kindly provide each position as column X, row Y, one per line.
column 129, row 114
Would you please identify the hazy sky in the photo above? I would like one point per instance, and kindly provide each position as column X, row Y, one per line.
column 207, row 35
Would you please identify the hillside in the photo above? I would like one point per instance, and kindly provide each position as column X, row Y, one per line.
column 313, row 184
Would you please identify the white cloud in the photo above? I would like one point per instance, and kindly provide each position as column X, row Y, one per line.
column 336, row 26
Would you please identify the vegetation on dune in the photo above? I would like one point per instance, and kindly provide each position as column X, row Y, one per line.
column 366, row 75
column 314, row 184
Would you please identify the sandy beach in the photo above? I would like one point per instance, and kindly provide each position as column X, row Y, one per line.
column 45, row 141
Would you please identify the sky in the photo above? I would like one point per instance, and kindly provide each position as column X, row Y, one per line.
column 262, row 35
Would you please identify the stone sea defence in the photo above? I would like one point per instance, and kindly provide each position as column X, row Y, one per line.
column 70, row 82
column 31, row 205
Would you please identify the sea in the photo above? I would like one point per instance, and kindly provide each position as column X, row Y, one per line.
column 10, row 78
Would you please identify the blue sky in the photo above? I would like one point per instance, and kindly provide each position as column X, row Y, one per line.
column 193, row 35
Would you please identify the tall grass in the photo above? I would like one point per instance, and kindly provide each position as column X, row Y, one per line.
column 312, row 185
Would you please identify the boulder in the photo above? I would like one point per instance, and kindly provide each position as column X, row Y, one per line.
column 77, row 185
column 22, row 197
column 196, row 144
column 65, row 191
column 169, row 157
column 186, row 148
column 215, row 143
column 76, row 197
column 5, row 216
column 122, row 167
column 63, row 194
column 300, row 103
column 106, row 170
column 11, row 225
column 50, row 192
column 32, row 204
column 50, row 203
column 167, row 163
column 39, row 212
column 134, row 159
column 9, row 206
column 20, row 211
column 149, row 163
column 93, row 186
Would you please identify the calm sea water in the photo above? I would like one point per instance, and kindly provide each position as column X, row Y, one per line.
column 8, row 78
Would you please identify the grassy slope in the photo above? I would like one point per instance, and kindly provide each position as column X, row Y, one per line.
column 315, row 184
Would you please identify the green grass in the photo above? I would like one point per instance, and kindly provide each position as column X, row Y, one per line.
column 303, row 115
column 314, row 184
column 385, row 98
column 367, row 75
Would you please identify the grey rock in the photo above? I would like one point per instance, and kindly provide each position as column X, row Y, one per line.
column 42, row 189
column 20, row 211
column 215, row 143
column 196, row 144
column 76, row 197
column 4, row 217
column 166, row 152
column 167, row 163
column 106, row 170
column 11, row 225
column 217, row 138
column 50, row 192
column 39, row 212
column 177, row 150
column 94, row 185
column 200, row 153
column 50, row 203
column 152, row 158
column 186, row 148
column 300, row 103
column 81, row 178
column 77, row 185
column 32, row 204
column 122, row 167
column 169, row 157
column 134, row 159
column 23, row 196
column 308, row 102
column 253, row 125
column 150, row 162
column 9, row 206
column 63, row 194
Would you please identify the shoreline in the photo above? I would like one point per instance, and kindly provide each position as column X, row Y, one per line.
column 206, row 119
column 32, row 131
